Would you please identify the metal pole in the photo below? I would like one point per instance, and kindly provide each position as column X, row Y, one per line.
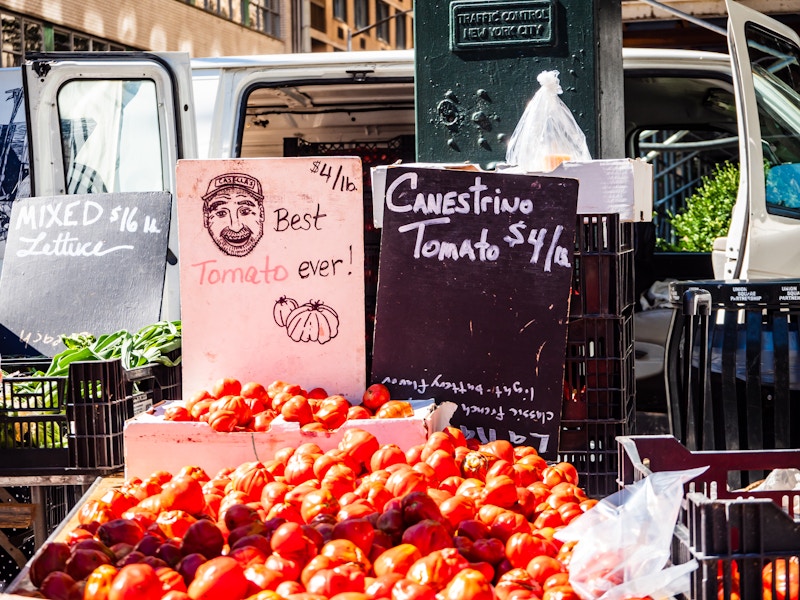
column 686, row 16
column 351, row 34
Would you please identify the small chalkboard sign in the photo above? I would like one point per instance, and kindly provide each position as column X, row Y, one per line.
column 83, row 263
column 473, row 297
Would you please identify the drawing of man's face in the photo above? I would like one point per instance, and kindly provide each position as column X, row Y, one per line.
column 234, row 213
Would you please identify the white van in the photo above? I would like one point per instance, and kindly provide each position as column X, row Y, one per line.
column 120, row 121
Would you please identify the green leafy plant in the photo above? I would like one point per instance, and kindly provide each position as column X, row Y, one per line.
column 707, row 214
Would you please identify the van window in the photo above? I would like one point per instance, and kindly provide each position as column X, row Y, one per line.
column 110, row 136
column 776, row 79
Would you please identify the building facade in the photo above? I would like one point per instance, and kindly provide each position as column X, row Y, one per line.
column 246, row 27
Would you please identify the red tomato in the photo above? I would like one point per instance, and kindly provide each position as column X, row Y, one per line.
column 560, row 592
column 226, row 386
column 395, row 409
column 469, row 583
column 297, row 409
column 386, row 455
column 381, row 586
column 542, row 567
column 443, row 464
column 332, row 411
column 221, row 578
column 457, row 509
column 360, row 444
column 438, row 440
column 396, row 560
column 170, row 580
column 98, row 584
column 427, row 535
column 359, row 531
column 375, row 396
column 136, row 582
column 522, row 547
column 316, row 502
column 358, row 412
column 406, row 589
column 183, row 493
column 253, row 389
column 785, row 576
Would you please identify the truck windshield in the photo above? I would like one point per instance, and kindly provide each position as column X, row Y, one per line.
column 110, row 136
column 776, row 79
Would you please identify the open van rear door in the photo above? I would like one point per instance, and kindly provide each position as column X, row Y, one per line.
column 762, row 240
column 111, row 122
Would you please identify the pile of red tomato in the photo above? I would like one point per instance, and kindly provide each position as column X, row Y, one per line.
column 233, row 406
column 449, row 519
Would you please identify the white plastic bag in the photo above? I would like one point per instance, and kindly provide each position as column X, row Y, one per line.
column 623, row 543
column 547, row 133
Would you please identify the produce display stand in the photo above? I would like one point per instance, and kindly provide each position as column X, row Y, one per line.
column 59, row 434
column 95, row 487
column 732, row 533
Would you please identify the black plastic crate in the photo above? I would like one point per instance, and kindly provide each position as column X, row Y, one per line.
column 97, row 408
column 732, row 533
column 148, row 385
column 602, row 266
column 732, row 365
column 590, row 445
column 92, row 404
column 33, row 420
column 598, row 368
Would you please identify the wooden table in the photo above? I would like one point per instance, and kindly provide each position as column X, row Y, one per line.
column 96, row 487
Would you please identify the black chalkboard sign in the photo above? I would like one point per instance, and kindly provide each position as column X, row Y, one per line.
column 83, row 263
column 473, row 297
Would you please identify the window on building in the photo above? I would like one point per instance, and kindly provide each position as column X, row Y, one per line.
column 382, row 19
column 340, row 9
column 265, row 16
column 362, row 13
column 62, row 40
column 318, row 20
column 12, row 40
column 400, row 31
column 81, row 43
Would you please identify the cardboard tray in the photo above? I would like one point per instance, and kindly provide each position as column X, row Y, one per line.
column 153, row 444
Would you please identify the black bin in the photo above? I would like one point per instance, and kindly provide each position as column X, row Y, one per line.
column 732, row 364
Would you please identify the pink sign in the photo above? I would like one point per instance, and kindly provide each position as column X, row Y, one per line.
column 272, row 272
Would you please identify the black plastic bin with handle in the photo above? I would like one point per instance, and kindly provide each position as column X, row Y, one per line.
column 732, row 364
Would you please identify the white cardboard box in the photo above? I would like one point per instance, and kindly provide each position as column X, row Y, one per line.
column 153, row 444
column 623, row 186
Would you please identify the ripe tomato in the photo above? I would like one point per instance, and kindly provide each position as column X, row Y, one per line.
column 255, row 390
column 396, row 560
column 185, row 493
column 395, row 409
column 469, row 583
column 136, row 582
column 360, row 444
column 375, row 396
column 297, row 409
column 221, row 578
column 522, row 547
column 785, row 576
column 406, row 589
column 226, row 386
column 542, row 567
column 386, row 455
column 98, row 584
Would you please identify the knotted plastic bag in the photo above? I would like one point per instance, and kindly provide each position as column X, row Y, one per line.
column 623, row 543
column 547, row 133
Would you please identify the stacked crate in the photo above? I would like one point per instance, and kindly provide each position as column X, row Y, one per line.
column 599, row 385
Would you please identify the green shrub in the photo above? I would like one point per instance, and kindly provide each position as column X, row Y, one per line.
column 707, row 214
